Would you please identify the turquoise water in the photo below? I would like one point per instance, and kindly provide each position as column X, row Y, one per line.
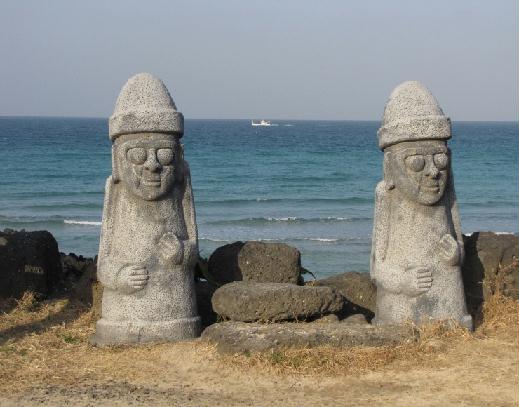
column 307, row 183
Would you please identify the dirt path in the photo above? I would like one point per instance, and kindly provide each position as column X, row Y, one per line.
column 482, row 374
column 45, row 359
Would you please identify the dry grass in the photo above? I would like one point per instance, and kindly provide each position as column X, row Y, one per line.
column 500, row 320
column 47, row 343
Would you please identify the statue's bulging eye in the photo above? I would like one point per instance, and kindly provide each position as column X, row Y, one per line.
column 441, row 161
column 415, row 163
column 165, row 156
column 137, row 155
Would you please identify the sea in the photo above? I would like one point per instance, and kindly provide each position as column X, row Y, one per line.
column 309, row 184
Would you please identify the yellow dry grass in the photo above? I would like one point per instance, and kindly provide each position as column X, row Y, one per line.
column 500, row 319
column 47, row 343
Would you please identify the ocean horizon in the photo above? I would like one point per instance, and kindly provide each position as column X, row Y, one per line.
column 307, row 183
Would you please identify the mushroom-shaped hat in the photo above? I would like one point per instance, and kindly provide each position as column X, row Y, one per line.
column 145, row 105
column 412, row 113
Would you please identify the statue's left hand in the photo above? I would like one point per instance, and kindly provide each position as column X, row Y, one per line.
column 171, row 248
column 449, row 250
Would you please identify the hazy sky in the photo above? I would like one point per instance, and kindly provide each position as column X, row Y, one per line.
column 260, row 59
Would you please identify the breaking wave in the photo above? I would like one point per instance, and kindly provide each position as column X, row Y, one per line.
column 81, row 222
column 289, row 219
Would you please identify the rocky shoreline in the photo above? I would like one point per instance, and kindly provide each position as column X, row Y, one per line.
column 266, row 276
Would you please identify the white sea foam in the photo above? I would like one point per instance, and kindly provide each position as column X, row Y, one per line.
column 497, row 233
column 321, row 239
column 295, row 218
column 81, row 222
column 287, row 219
column 209, row 239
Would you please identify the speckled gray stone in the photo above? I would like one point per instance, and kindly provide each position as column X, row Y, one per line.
column 239, row 337
column 412, row 113
column 250, row 301
column 145, row 105
column 417, row 243
column 149, row 244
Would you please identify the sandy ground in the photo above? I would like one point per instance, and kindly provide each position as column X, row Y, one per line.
column 45, row 359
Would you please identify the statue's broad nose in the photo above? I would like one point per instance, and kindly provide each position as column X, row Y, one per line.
column 430, row 168
column 151, row 164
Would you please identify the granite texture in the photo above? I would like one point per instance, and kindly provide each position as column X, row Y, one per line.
column 412, row 113
column 417, row 246
column 249, row 301
column 256, row 261
column 149, row 243
column 145, row 105
column 239, row 337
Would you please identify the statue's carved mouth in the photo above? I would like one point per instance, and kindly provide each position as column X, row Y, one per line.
column 151, row 182
column 431, row 188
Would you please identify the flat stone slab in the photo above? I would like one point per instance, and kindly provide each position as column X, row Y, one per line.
column 238, row 337
column 250, row 302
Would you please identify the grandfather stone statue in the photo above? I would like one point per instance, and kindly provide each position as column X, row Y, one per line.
column 149, row 245
column 417, row 248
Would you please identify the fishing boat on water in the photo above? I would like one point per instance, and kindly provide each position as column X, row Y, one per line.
column 261, row 122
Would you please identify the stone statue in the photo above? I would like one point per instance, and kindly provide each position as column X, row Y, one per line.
column 149, row 245
column 417, row 249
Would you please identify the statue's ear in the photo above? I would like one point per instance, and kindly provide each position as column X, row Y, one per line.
column 115, row 164
column 388, row 170
column 181, row 171
column 450, row 179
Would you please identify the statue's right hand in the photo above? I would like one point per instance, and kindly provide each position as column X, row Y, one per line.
column 132, row 278
column 417, row 281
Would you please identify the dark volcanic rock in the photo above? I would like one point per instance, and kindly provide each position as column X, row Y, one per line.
column 357, row 288
column 239, row 337
column 80, row 280
column 491, row 264
column 249, row 301
column 29, row 261
column 256, row 261
column 88, row 289
column 204, row 294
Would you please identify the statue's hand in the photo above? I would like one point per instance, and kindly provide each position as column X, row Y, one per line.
column 449, row 250
column 417, row 281
column 171, row 248
column 132, row 278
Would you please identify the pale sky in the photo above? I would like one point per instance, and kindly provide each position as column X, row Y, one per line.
column 275, row 59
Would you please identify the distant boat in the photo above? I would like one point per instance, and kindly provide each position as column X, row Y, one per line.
column 260, row 123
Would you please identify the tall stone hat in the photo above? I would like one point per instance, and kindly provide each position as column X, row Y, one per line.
column 412, row 113
column 145, row 105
